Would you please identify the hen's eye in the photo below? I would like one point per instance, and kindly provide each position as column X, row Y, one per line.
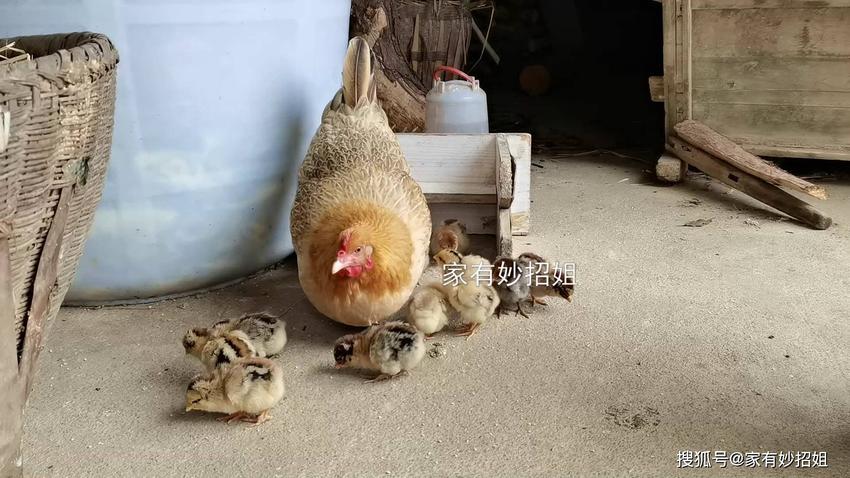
column 358, row 249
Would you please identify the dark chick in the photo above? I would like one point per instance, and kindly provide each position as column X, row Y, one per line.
column 546, row 281
column 511, row 278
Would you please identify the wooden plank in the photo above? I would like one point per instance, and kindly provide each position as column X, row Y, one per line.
column 669, row 17
column 519, row 145
column 43, row 286
column 771, row 97
column 504, row 176
column 777, row 125
column 459, row 193
column 745, row 4
column 780, row 32
column 441, row 158
column 11, row 395
column 749, row 184
column 656, row 88
column 842, row 154
column 504, row 237
column 724, row 148
column 748, row 73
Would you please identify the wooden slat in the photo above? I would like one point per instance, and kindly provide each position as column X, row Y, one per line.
column 787, row 126
column 781, row 32
column 504, row 236
column 805, row 99
column 718, row 145
column 520, row 149
column 744, row 72
column 504, row 177
column 749, row 184
column 745, row 4
column 459, row 193
column 43, row 285
column 842, row 154
column 458, row 158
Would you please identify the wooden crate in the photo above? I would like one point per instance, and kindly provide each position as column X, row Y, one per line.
column 482, row 180
column 772, row 75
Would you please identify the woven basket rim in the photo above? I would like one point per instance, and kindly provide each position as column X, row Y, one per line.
column 96, row 49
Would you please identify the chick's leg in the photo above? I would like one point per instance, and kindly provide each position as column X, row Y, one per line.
column 535, row 300
column 380, row 378
column 259, row 419
column 519, row 310
column 468, row 331
column 232, row 417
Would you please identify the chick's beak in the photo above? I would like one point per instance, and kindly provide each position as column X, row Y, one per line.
column 337, row 365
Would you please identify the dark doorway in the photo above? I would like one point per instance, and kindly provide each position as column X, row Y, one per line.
column 573, row 73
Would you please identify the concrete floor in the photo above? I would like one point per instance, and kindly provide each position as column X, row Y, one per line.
column 732, row 337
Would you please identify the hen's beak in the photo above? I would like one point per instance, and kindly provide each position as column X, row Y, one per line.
column 188, row 408
column 342, row 261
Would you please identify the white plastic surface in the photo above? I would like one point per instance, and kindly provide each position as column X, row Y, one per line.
column 217, row 102
column 456, row 106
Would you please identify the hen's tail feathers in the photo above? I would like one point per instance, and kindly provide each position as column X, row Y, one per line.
column 358, row 73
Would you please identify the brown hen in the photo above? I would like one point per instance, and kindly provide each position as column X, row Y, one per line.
column 360, row 224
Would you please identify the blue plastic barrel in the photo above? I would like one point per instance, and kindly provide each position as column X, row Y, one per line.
column 217, row 102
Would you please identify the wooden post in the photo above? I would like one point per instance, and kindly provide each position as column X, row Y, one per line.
column 749, row 184
column 11, row 395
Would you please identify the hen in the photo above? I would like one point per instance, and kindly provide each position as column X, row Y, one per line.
column 360, row 224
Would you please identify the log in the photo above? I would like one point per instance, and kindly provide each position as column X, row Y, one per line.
column 724, row 148
column 749, row 184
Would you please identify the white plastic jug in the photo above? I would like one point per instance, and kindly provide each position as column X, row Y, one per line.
column 456, row 106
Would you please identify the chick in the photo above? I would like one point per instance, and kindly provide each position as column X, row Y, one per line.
column 245, row 391
column 447, row 256
column 428, row 310
column 389, row 348
column 451, row 235
column 512, row 280
column 545, row 281
column 555, row 287
column 223, row 350
column 474, row 297
column 195, row 340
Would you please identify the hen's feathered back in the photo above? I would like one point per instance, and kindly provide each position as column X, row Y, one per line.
column 355, row 176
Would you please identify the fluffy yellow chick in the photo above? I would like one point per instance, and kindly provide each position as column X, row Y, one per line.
column 389, row 348
column 450, row 235
column 474, row 297
column 429, row 308
column 223, row 350
column 245, row 391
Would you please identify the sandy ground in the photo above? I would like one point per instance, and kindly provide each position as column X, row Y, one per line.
column 730, row 337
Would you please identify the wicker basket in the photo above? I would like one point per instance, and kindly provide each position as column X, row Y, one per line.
column 56, row 114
